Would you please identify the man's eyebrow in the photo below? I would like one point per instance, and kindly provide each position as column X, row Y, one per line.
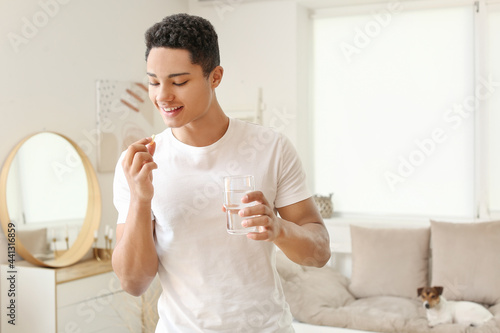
column 170, row 76
column 177, row 74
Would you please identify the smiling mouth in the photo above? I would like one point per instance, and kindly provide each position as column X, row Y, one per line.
column 171, row 109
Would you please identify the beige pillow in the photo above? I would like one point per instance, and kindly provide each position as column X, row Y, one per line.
column 389, row 262
column 466, row 260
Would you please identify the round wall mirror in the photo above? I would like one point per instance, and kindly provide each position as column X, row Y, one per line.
column 50, row 202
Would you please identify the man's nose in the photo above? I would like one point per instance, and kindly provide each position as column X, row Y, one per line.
column 165, row 95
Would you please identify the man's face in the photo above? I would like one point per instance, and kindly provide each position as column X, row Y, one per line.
column 177, row 87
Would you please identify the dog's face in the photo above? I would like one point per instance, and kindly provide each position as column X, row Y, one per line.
column 430, row 296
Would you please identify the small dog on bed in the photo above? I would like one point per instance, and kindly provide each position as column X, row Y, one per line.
column 441, row 311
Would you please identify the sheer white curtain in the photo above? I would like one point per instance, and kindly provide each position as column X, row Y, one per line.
column 493, row 55
column 394, row 102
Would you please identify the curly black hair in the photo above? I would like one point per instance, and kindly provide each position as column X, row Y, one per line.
column 188, row 32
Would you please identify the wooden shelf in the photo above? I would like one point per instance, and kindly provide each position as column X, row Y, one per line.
column 82, row 270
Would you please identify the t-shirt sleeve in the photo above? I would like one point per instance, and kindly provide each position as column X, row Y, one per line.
column 121, row 192
column 292, row 186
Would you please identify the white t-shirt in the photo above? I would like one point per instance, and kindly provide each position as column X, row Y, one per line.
column 213, row 281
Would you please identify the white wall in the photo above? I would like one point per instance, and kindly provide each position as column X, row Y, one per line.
column 48, row 76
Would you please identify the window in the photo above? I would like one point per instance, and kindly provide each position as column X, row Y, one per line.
column 394, row 110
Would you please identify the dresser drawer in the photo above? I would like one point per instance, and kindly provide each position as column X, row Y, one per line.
column 77, row 291
column 114, row 313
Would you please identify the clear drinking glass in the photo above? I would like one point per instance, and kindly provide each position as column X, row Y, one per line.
column 235, row 188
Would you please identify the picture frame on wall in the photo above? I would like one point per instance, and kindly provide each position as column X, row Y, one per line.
column 124, row 115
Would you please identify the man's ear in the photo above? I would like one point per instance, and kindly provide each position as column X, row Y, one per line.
column 216, row 76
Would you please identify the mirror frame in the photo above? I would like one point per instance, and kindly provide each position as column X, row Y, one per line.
column 85, row 239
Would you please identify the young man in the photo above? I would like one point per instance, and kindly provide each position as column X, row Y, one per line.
column 171, row 220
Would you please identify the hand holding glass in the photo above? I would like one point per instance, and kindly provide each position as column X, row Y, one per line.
column 235, row 188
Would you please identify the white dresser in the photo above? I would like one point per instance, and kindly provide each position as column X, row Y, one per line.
column 83, row 298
